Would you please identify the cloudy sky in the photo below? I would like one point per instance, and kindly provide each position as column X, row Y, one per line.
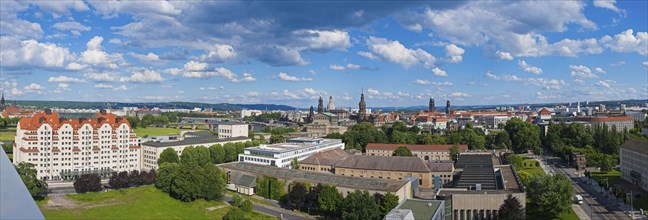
column 290, row 52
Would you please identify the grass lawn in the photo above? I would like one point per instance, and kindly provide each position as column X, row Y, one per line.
column 145, row 202
column 253, row 199
column 7, row 134
column 568, row 215
column 153, row 131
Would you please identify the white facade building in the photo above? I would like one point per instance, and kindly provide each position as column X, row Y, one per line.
column 151, row 150
column 280, row 155
column 247, row 112
column 232, row 129
column 62, row 148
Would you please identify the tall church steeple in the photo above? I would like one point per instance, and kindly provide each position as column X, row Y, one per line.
column 320, row 106
column 330, row 105
column 311, row 114
column 431, row 106
column 2, row 102
column 448, row 106
column 362, row 107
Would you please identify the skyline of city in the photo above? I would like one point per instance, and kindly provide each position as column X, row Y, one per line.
column 290, row 53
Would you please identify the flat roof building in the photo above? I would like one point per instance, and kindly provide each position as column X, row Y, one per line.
column 634, row 162
column 282, row 154
column 416, row 209
column 426, row 152
column 151, row 150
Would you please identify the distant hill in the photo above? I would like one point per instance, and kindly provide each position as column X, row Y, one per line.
column 175, row 105
column 441, row 106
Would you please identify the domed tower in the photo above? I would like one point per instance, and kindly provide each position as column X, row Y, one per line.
column 330, row 105
column 320, row 106
column 431, row 107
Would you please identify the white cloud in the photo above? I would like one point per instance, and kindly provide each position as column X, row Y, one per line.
column 72, row 26
column 579, row 81
column 439, row 72
column 606, row 83
column 195, row 66
column 459, row 94
column 212, row 88
column 146, row 76
column 103, row 86
column 582, row 71
column 148, row 58
column 286, row 77
column 349, row 66
column 64, row 86
column 219, row 53
column 371, row 91
column 102, row 77
column 33, row 88
column 95, row 56
column 428, row 82
column 645, row 64
column 395, row 52
column 324, row 40
column 453, row 53
column 369, row 55
column 65, row 79
column 31, row 53
column 608, row 4
column 599, row 70
column 627, row 42
column 540, row 82
column 248, row 77
column 503, row 55
column 528, row 68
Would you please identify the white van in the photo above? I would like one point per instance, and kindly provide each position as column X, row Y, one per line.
column 578, row 199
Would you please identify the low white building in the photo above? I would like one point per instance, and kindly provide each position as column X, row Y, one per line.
column 232, row 129
column 280, row 155
column 248, row 112
column 151, row 150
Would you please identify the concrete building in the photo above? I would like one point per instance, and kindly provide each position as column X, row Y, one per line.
column 404, row 189
column 634, row 162
column 578, row 160
column 340, row 163
column 416, row 209
column 61, row 148
column 428, row 152
column 151, row 150
column 621, row 122
column 232, row 129
column 281, row 154
column 248, row 112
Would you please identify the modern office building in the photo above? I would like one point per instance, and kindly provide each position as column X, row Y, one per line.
column 634, row 162
column 151, row 150
column 232, row 129
column 281, row 154
column 61, row 148
column 427, row 152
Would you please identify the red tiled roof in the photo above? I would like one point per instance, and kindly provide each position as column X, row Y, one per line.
column 53, row 119
column 76, row 149
column 96, row 149
column 56, row 150
column 604, row 119
column 114, row 148
column 544, row 111
column 25, row 150
column 416, row 147
column 134, row 147
column 29, row 139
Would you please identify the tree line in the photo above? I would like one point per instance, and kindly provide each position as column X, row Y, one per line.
column 518, row 135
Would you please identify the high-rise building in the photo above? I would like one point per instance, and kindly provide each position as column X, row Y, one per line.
column 61, row 148
column 431, row 106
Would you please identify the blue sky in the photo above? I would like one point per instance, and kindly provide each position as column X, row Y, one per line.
column 291, row 52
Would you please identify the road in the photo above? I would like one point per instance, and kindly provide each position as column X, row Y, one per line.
column 595, row 204
column 272, row 210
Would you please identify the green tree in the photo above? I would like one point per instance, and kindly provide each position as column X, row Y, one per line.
column 514, row 160
column 511, row 209
column 168, row 155
column 329, row 199
column 335, row 136
column 502, row 140
column 187, row 184
column 133, row 121
column 213, row 183
column 360, row 205
column 87, row 183
column 278, row 138
column 230, row 152
column 217, row 154
column 297, row 195
column 402, row 151
column 549, row 195
column 246, row 206
column 454, row 152
column 524, row 135
column 388, row 202
column 524, row 177
column 167, row 173
column 37, row 188
column 147, row 120
column 195, row 156
column 237, row 200
column 294, row 164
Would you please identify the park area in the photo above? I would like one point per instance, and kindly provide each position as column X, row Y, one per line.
column 614, row 177
column 145, row 202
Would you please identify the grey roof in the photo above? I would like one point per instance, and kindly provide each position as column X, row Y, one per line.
column 193, row 141
column 327, row 158
column 636, row 146
column 246, row 180
column 422, row 209
column 470, row 176
column 15, row 200
column 315, row 177
column 228, row 123
column 474, row 160
column 435, row 166
column 394, row 163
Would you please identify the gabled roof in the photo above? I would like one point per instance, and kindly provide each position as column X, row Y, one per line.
column 327, row 158
column 544, row 111
column 416, row 147
column 394, row 163
column 246, row 180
